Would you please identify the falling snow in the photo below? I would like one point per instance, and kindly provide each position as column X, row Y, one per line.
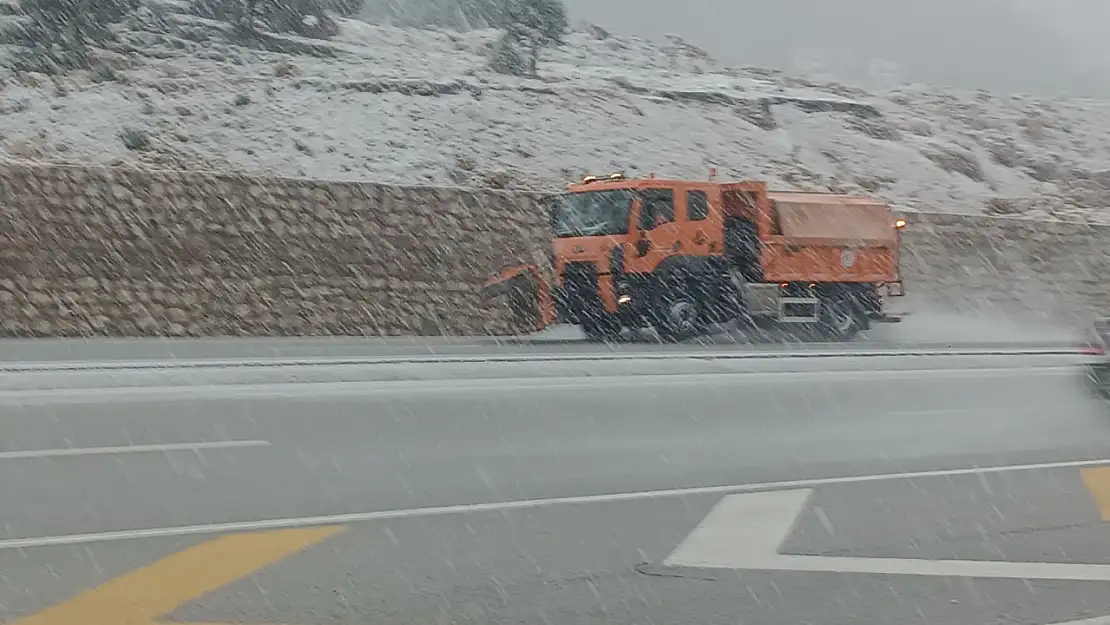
column 534, row 491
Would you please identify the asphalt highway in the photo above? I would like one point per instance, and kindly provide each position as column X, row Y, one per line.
column 533, row 498
column 924, row 330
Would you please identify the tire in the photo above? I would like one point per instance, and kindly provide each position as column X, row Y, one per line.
column 678, row 314
column 838, row 319
column 603, row 330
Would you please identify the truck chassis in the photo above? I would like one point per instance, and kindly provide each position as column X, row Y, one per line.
column 679, row 309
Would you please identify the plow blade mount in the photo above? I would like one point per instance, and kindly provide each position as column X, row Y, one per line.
column 529, row 296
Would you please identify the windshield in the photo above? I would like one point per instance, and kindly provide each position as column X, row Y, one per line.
column 591, row 213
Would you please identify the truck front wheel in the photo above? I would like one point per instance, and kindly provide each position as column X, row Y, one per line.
column 678, row 315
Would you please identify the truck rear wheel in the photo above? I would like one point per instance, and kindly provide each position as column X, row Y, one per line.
column 838, row 319
column 602, row 329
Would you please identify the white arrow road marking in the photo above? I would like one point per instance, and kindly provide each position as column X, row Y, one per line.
column 744, row 531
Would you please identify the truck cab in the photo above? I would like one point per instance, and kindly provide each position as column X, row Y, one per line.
column 613, row 240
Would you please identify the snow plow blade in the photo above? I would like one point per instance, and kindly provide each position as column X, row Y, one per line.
column 529, row 296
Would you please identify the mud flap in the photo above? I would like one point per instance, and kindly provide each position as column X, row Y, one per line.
column 893, row 289
column 884, row 318
column 529, row 296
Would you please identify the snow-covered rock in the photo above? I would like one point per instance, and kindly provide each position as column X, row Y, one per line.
column 419, row 107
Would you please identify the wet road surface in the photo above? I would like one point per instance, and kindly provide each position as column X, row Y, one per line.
column 558, row 499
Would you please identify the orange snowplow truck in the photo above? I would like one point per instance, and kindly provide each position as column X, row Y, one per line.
column 682, row 255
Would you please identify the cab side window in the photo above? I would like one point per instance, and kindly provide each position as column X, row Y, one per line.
column 658, row 208
column 697, row 206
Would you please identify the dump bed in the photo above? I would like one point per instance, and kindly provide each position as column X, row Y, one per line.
column 828, row 219
column 823, row 237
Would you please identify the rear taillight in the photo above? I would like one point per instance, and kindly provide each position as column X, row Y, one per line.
column 1092, row 350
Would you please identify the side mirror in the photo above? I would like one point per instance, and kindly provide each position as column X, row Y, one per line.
column 643, row 243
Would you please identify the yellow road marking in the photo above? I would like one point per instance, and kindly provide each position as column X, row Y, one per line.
column 141, row 596
column 1097, row 480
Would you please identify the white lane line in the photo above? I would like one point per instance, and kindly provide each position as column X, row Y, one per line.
column 128, row 449
column 898, row 352
column 745, row 531
column 336, row 519
column 482, row 385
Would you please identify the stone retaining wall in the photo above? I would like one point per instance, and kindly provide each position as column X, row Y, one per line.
column 117, row 252
column 972, row 263
column 98, row 251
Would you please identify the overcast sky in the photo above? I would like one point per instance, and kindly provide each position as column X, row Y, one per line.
column 1038, row 46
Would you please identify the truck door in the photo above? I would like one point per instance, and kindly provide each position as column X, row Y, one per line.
column 658, row 234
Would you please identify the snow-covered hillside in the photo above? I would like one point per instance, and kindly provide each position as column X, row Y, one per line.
column 419, row 107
